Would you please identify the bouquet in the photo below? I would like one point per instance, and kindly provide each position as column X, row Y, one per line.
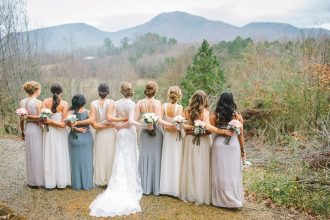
column 21, row 113
column 72, row 119
column 199, row 129
column 235, row 126
column 178, row 121
column 150, row 119
column 44, row 114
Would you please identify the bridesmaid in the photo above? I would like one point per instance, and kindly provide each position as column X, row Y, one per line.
column 151, row 146
column 172, row 148
column 56, row 149
column 195, row 177
column 226, row 180
column 81, row 146
column 105, row 137
column 32, row 135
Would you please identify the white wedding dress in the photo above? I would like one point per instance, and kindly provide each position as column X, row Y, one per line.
column 124, row 191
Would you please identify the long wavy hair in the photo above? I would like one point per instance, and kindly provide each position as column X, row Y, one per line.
column 225, row 109
column 197, row 103
column 56, row 90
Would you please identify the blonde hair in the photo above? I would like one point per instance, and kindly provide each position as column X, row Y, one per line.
column 31, row 87
column 174, row 94
column 151, row 89
column 126, row 89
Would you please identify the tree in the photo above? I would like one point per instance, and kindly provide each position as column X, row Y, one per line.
column 204, row 73
column 124, row 43
column 172, row 41
column 108, row 45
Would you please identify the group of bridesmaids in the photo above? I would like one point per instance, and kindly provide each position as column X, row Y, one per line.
column 209, row 173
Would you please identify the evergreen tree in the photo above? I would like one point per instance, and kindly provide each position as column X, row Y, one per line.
column 108, row 45
column 204, row 73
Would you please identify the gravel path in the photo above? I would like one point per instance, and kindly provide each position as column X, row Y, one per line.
column 70, row 204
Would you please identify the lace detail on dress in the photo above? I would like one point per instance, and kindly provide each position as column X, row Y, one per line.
column 124, row 190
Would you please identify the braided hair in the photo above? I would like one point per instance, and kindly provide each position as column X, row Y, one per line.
column 56, row 90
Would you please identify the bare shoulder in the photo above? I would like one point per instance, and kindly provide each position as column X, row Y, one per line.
column 238, row 116
column 206, row 112
column 157, row 102
column 47, row 100
column 64, row 103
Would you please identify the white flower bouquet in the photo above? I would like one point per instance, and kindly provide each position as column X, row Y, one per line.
column 199, row 129
column 21, row 113
column 178, row 121
column 44, row 114
column 235, row 126
column 150, row 119
column 72, row 119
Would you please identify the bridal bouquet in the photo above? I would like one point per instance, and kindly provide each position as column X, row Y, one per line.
column 21, row 112
column 150, row 119
column 199, row 129
column 235, row 126
column 178, row 121
column 44, row 114
column 72, row 119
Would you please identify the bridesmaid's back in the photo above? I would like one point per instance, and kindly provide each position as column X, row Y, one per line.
column 123, row 107
column 31, row 105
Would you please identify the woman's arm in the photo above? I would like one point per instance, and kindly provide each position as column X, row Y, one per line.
column 60, row 124
column 133, row 115
column 241, row 136
column 213, row 129
column 35, row 117
column 110, row 113
column 186, row 127
column 99, row 126
column 87, row 121
column 158, row 112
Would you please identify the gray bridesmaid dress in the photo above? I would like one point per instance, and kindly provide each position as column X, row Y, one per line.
column 150, row 160
column 226, row 176
column 81, row 157
column 33, row 146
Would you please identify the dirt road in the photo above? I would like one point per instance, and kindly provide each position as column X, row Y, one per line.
column 71, row 204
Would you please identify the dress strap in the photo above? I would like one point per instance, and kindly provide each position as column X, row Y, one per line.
column 148, row 107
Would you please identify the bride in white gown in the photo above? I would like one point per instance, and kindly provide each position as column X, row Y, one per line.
column 124, row 190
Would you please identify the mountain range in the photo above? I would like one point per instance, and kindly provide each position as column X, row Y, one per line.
column 184, row 27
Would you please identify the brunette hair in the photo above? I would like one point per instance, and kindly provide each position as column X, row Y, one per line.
column 197, row 103
column 77, row 102
column 103, row 90
column 56, row 90
column 225, row 109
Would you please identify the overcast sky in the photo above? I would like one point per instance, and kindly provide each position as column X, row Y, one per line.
column 113, row 15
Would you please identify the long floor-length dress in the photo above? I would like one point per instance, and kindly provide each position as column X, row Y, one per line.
column 195, row 177
column 81, row 156
column 124, row 190
column 33, row 146
column 150, row 160
column 171, row 160
column 227, row 186
column 104, row 146
column 56, row 156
